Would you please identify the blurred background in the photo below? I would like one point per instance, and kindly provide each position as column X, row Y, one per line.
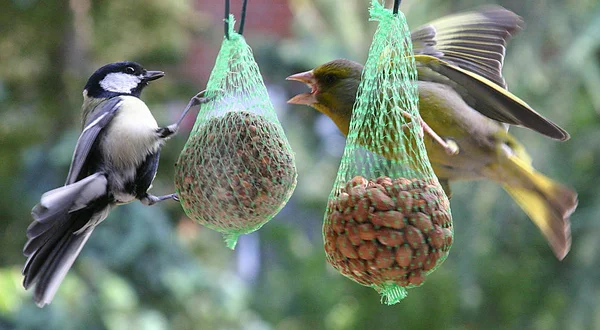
column 153, row 268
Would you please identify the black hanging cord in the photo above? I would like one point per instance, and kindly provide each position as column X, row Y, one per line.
column 396, row 6
column 227, row 19
column 242, row 19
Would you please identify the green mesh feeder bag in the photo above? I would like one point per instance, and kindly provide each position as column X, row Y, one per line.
column 237, row 169
column 388, row 223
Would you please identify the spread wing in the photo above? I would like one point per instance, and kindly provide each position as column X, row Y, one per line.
column 94, row 125
column 466, row 52
column 474, row 41
column 487, row 97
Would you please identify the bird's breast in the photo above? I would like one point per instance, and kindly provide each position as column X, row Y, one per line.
column 131, row 135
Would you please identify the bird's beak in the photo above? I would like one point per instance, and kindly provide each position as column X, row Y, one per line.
column 308, row 78
column 153, row 75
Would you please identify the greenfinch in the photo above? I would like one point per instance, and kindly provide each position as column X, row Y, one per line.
column 464, row 99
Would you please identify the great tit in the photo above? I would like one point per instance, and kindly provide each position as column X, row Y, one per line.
column 114, row 162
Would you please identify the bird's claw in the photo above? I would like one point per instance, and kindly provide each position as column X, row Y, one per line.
column 167, row 132
column 201, row 99
column 173, row 128
column 451, row 147
column 149, row 199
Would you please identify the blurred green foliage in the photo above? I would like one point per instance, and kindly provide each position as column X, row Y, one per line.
column 152, row 268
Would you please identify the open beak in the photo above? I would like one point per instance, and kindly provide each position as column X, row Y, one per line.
column 153, row 75
column 309, row 79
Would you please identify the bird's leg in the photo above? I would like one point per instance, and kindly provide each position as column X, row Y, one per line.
column 407, row 125
column 166, row 132
column 449, row 146
column 149, row 199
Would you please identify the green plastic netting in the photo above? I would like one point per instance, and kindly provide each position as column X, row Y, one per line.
column 388, row 221
column 237, row 169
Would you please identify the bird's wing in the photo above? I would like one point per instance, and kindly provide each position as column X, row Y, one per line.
column 98, row 121
column 146, row 173
column 474, row 41
column 487, row 97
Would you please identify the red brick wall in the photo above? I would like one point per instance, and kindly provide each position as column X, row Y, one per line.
column 264, row 18
column 267, row 16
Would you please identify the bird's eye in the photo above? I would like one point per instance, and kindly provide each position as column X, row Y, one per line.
column 130, row 69
column 329, row 78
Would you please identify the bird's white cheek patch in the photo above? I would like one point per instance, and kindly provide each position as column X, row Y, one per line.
column 119, row 82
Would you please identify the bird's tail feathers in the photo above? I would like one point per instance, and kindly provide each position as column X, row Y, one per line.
column 58, row 261
column 56, row 203
column 548, row 203
column 63, row 221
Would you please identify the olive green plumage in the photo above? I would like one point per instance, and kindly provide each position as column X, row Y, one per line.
column 463, row 98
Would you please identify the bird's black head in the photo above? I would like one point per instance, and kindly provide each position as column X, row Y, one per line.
column 120, row 78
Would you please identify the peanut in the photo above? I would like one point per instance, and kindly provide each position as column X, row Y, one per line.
column 401, row 181
column 447, row 238
column 391, row 219
column 436, row 237
column 384, row 181
column 384, row 258
column 404, row 255
column 394, row 273
column 420, row 257
column 416, row 277
column 346, row 248
column 356, row 182
column 430, row 262
column 361, row 210
column 357, row 266
column 372, row 266
column 380, row 200
column 356, row 193
column 337, row 222
column 441, row 218
column 367, row 250
column 367, row 232
column 389, row 237
column 421, row 221
column 414, row 237
column 344, row 202
column 377, row 186
column 352, row 234
column 405, row 201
